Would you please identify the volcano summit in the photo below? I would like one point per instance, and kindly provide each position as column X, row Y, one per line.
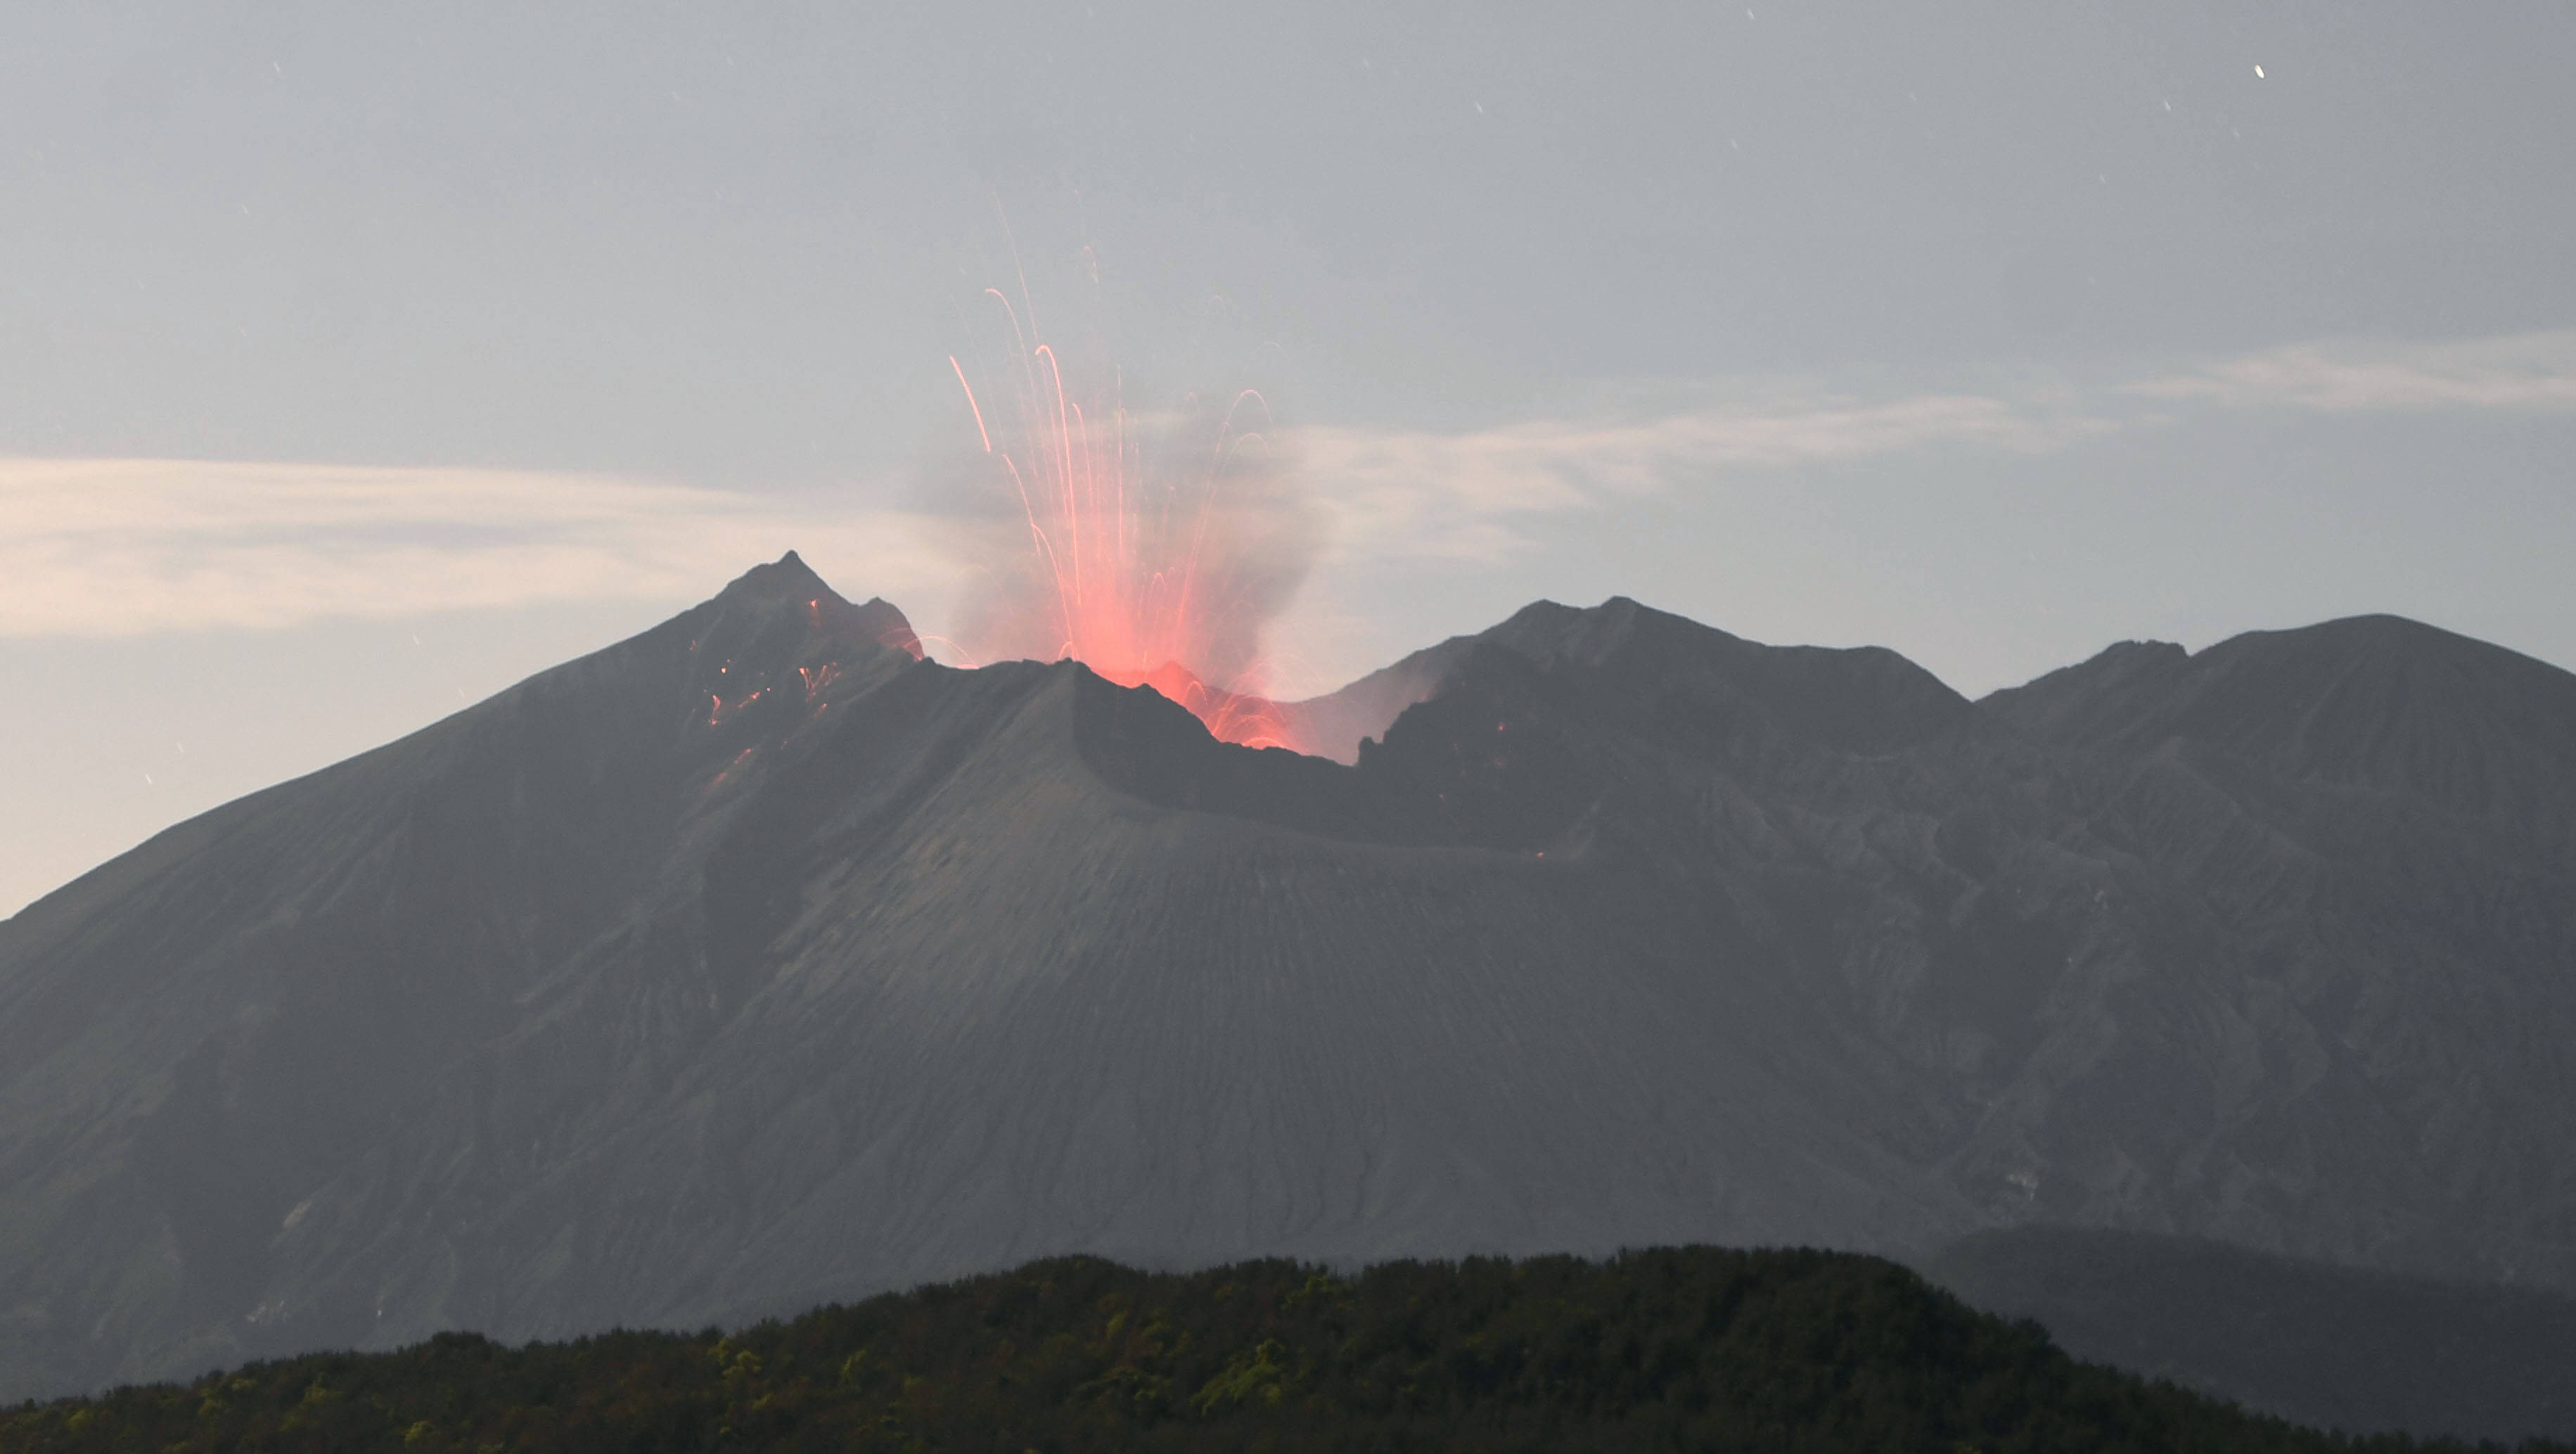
column 756, row 961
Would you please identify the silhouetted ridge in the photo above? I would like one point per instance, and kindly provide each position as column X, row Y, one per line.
column 2369, row 702
column 1142, row 743
column 1865, row 699
column 2095, row 700
column 1861, row 699
column 787, row 582
column 1507, row 749
column 752, row 961
column 1335, row 724
column 412, row 899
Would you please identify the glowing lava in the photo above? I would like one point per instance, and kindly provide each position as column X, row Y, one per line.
column 1155, row 551
column 1254, row 721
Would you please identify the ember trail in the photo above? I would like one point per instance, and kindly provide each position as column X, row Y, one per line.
column 1146, row 553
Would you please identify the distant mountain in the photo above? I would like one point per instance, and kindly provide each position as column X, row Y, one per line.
column 2374, row 704
column 2324, row 1346
column 755, row 961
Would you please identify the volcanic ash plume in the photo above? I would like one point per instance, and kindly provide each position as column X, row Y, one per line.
column 1154, row 548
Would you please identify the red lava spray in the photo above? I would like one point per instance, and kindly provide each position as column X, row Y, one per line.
column 1153, row 550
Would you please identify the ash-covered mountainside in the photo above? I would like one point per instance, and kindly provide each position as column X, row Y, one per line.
column 755, row 962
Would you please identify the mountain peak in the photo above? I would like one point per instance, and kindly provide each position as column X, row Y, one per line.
column 782, row 579
column 2377, row 702
column 798, row 969
column 788, row 583
column 1548, row 631
column 1860, row 699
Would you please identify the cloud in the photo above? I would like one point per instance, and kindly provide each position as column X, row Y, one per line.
column 2533, row 371
column 115, row 547
column 122, row 547
column 1480, row 498
column 1468, row 497
column 111, row 547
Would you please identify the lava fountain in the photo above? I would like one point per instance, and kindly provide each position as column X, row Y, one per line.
column 1153, row 549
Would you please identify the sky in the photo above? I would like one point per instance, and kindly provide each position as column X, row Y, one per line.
column 356, row 362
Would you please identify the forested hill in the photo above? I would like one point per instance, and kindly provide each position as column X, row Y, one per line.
column 1684, row 1349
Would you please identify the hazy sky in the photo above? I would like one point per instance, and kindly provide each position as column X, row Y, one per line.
column 356, row 361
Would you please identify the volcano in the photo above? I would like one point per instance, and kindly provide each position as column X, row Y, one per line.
column 756, row 961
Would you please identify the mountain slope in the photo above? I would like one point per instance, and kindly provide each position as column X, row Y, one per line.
column 755, row 961
column 637, row 996
column 993, row 1008
column 204, row 1030
column 2367, row 950
column 2375, row 704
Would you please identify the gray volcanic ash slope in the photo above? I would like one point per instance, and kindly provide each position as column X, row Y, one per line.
column 204, row 1032
column 753, row 962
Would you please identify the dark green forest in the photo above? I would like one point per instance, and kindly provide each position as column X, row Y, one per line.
column 1695, row 1348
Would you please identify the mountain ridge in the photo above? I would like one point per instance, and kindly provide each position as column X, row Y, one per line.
column 756, row 960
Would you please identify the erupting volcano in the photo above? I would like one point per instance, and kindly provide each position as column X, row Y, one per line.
column 755, row 962
column 1155, row 548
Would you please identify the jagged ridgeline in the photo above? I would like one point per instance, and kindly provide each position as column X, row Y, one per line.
column 1695, row 1348
column 755, row 963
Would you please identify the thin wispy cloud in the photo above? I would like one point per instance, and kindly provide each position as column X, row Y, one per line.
column 123, row 547
column 2533, row 371
column 1470, row 497
column 1479, row 497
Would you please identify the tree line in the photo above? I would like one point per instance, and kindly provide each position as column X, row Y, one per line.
column 1682, row 1349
